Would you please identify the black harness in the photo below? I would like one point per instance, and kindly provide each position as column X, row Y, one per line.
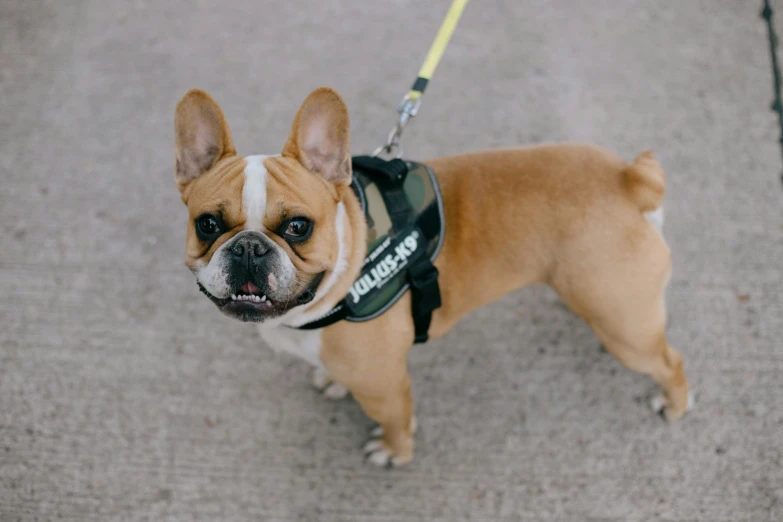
column 400, row 256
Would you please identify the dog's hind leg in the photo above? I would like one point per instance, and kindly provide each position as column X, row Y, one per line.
column 621, row 296
column 643, row 348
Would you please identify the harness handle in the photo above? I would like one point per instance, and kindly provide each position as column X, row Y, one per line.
column 410, row 103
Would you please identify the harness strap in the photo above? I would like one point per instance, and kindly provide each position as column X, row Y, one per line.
column 393, row 172
column 425, row 297
column 338, row 313
column 390, row 175
column 425, row 291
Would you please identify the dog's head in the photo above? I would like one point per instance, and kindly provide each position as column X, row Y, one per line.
column 265, row 233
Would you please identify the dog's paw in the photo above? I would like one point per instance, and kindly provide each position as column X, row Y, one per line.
column 377, row 453
column 377, row 432
column 320, row 379
column 660, row 405
column 335, row 392
column 331, row 390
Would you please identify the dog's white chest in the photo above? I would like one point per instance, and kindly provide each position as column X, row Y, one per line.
column 304, row 344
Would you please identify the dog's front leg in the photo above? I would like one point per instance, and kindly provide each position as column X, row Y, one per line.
column 371, row 359
column 391, row 406
column 377, row 375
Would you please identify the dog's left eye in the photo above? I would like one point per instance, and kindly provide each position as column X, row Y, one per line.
column 207, row 226
column 298, row 228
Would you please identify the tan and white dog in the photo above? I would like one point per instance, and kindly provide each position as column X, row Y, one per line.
column 279, row 240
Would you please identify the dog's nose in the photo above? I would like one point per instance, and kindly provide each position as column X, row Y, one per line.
column 251, row 246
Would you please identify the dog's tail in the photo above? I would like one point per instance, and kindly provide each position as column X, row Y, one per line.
column 645, row 182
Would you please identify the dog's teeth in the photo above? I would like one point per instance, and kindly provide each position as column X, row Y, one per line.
column 250, row 297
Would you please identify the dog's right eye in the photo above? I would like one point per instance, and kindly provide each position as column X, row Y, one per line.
column 207, row 226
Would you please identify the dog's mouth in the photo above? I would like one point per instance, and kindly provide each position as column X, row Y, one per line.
column 252, row 304
column 251, row 293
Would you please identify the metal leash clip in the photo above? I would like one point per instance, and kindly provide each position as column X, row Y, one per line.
column 408, row 108
column 410, row 103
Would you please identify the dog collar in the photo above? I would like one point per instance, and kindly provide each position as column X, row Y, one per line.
column 403, row 206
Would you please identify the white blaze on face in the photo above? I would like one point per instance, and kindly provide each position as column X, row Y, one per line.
column 254, row 192
column 254, row 207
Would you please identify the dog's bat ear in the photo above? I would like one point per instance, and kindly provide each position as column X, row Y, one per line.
column 319, row 137
column 201, row 134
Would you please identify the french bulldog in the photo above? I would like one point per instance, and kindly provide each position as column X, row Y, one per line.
column 278, row 240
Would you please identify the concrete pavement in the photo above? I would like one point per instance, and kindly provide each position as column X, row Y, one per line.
column 124, row 396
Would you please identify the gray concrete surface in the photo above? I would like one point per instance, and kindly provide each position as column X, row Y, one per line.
column 124, row 396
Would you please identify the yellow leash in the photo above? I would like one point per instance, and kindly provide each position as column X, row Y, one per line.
column 410, row 103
